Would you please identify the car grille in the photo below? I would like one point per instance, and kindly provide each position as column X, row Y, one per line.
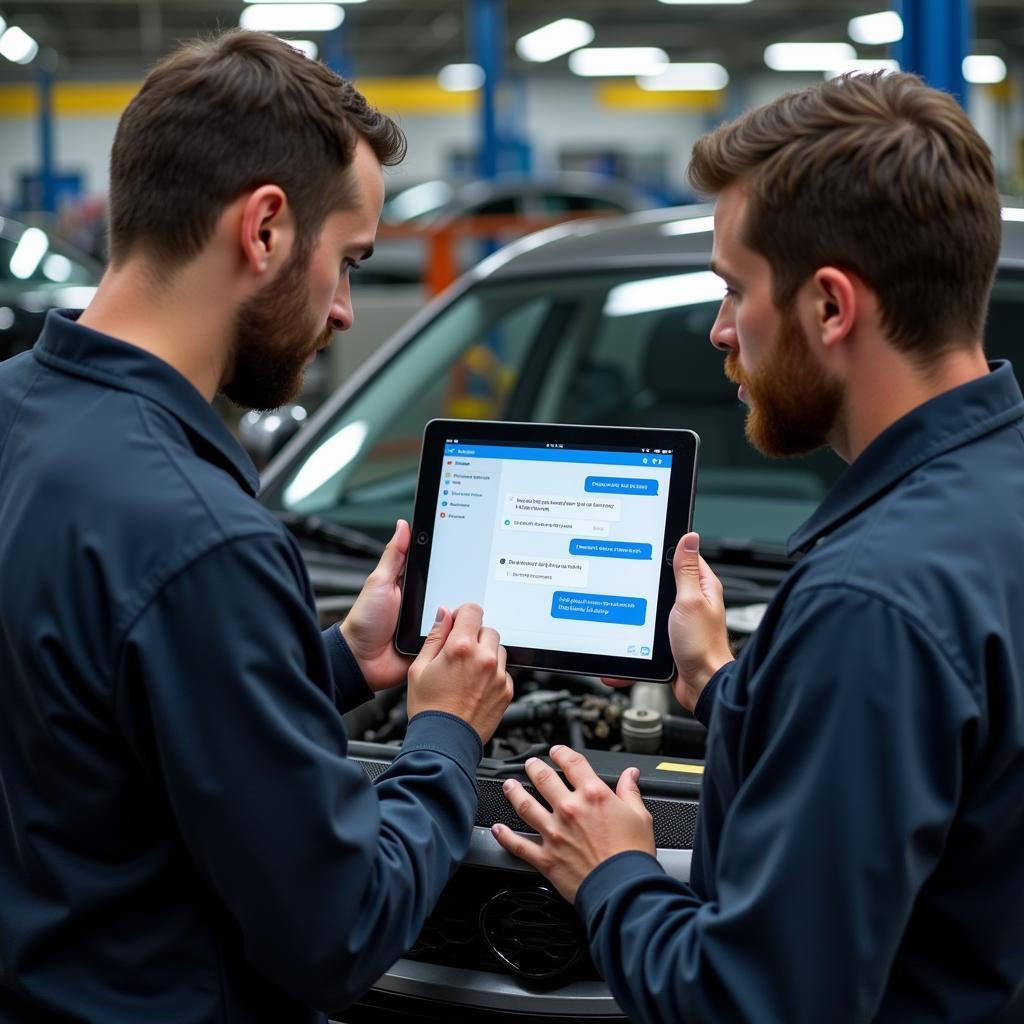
column 487, row 920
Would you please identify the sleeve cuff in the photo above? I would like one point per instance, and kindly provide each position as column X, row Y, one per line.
column 445, row 734
column 350, row 689
column 630, row 865
column 706, row 701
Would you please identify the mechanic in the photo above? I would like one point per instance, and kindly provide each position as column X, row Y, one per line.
column 182, row 838
column 858, row 855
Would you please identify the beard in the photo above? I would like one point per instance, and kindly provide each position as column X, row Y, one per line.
column 793, row 401
column 275, row 334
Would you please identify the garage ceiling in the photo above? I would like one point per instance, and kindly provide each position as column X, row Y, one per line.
column 119, row 38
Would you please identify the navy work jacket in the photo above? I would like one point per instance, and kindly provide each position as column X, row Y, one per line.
column 182, row 838
column 860, row 852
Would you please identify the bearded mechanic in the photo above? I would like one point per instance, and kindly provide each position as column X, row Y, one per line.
column 182, row 838
column 858, row 852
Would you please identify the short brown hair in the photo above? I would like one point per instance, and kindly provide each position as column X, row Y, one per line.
column 880, row 175
column 224, row 115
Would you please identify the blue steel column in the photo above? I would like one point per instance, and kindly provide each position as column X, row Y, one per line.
column 47, row 170
column 488, row 22
column 936, row 37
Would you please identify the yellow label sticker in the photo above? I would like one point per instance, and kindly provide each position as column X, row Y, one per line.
column 672, row 766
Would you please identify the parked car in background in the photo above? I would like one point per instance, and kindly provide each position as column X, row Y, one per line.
column 38, row 272
column 588, row 322
column 423, row 208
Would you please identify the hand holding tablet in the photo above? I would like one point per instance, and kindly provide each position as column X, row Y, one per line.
column 563, row 534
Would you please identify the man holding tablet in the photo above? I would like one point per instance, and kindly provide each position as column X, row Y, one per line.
column 858, row 855
column 183, row 838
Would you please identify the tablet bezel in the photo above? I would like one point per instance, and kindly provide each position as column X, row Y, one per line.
column 684, row 445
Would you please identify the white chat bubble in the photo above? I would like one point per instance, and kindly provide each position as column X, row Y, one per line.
column 553, row 524
column 554, row 572
column 584, row 506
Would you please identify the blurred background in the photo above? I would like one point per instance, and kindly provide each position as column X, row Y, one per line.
column 519, row 114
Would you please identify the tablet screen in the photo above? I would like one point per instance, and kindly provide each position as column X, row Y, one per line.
column 560, row 543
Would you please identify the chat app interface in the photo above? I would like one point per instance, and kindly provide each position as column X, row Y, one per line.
column 560, row 546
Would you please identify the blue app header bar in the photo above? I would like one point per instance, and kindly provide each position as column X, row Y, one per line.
column 647, row 460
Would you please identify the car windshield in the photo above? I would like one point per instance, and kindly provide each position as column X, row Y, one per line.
column 613, row 348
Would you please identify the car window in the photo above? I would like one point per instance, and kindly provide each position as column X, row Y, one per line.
column 563, row 202
column 613, row 348
column 31, row 262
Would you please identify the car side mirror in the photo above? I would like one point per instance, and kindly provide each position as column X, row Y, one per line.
column 264, row 434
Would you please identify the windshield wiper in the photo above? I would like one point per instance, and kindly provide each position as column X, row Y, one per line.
column 345, row 539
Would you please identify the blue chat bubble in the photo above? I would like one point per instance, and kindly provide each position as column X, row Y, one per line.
column 626, row 611
column 609, row 549
column 619, row 485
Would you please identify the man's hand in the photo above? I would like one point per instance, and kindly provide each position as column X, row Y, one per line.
column 586, row 824
column 369, row 628
column 461, row 670
column 696, row 624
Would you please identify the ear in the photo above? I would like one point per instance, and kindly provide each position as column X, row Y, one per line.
column 267, row 230
column 831, row 305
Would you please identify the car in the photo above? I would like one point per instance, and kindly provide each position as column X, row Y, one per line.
column 414, row 213
column 600, row 322
column 38, row 272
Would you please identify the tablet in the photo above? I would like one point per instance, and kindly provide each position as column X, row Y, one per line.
column 563, row 534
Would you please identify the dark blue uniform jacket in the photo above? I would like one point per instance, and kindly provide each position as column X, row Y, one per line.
column 181, row 836
column 860, row 854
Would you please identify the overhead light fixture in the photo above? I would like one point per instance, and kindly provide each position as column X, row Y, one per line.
column 29, row 252
column 461, row 77
column 683, row 77
column 705, row 3
column 808, row 56
column 1014, row 213
column 864, row 67
column 57, row 268
column 978, row 68
column 601, row 61
column 3, row 25
column 305, row 46
column 301, row 1
column 292, row 17
column 553, row 40
column 664, row 293
column 18, row 46
column 876, row 29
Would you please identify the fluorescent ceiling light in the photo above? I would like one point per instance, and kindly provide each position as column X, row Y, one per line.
column 460, row 77
column 290, row 17
column 664, row 293
column 704, row 3
column 18, row 46
column 702, row 77
column 301, row 1
column 553, row 40
column 876, row 29
column 596, row 61
column 305, row 46
column 30, row 250
column 807, row 56
column 690, row 226
column 1015, row 213
column 979, row 68
column 863, row 67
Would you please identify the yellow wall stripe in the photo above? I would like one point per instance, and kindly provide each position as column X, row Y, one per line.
column 629, row 96
column 421, row 96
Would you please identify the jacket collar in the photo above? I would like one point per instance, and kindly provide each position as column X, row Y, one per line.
column 939, row 425
column 68, row 347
